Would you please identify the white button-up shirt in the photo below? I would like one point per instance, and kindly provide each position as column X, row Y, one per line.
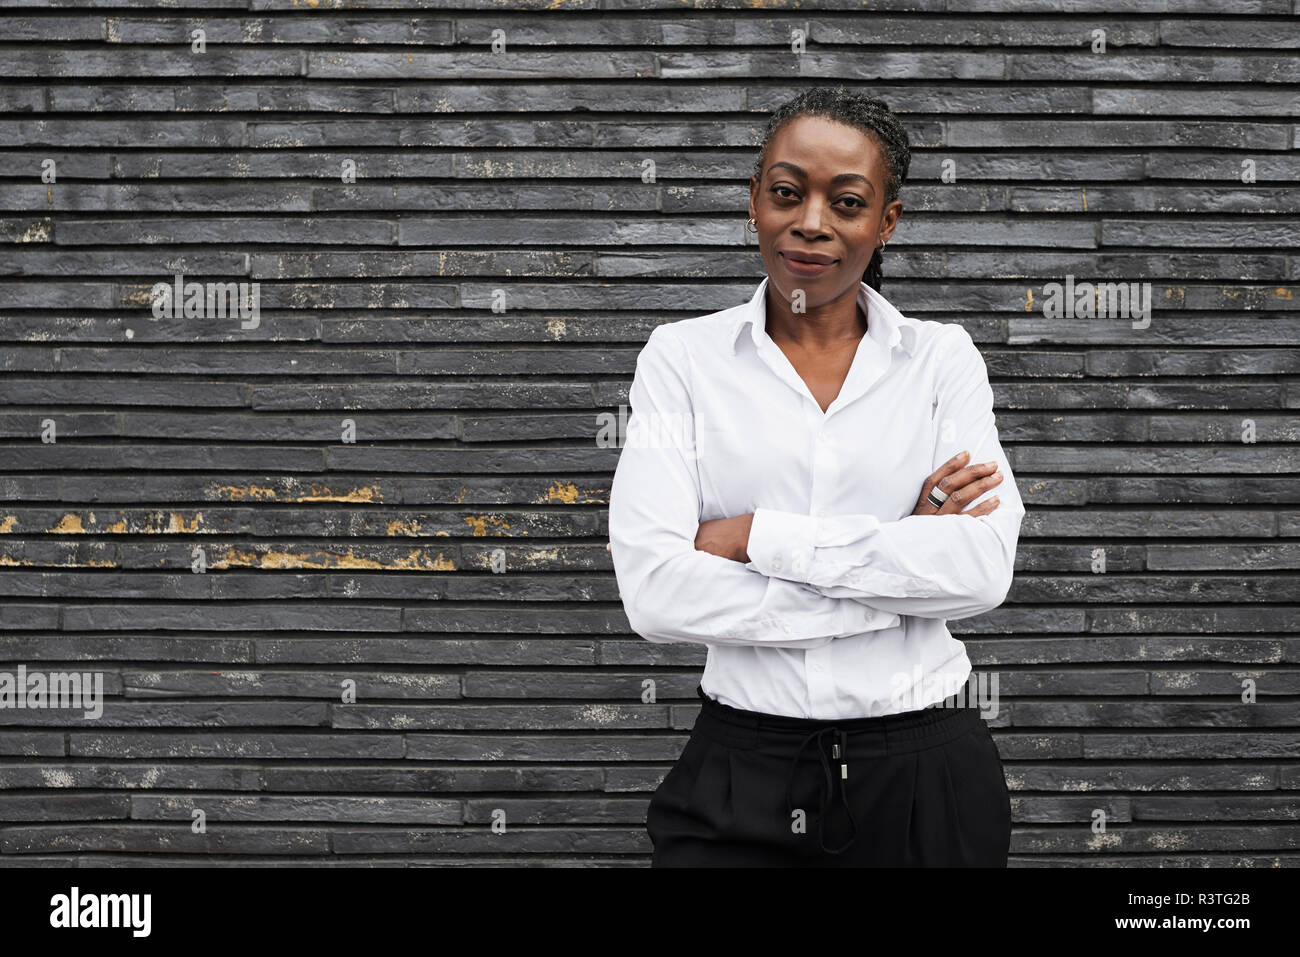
column 840, row 611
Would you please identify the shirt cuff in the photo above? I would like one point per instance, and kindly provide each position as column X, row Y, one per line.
column 781, row 543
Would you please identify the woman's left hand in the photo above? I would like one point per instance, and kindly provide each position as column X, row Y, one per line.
column 726, row 537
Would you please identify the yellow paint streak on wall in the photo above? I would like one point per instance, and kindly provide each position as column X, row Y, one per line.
column 535, row 559
column 568, row 494
column 322, row 493
column 70, row 524
column 8, row 523
column 142, row 297
column 233, row 557
column 236, row 493
column 318, row 493
column 479, row 524
column 178, row 523
column 417, row 559
column 399, row 527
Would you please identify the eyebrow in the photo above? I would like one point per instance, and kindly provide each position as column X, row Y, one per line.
column 838, row 178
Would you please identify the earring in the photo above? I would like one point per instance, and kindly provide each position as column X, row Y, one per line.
column 751, row 226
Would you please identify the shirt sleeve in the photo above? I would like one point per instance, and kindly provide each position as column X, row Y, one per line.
column 928, row 566
column 671, row 592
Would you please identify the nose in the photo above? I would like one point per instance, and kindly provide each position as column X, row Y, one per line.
column 809, row 222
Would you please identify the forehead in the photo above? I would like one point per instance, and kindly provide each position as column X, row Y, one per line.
column 825, row 147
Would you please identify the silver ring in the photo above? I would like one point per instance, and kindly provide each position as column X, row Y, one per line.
column 936, row 497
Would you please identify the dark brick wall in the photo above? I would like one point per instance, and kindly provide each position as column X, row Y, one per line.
column 516, row 176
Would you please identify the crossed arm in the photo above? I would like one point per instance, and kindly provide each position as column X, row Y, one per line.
column 786, row 579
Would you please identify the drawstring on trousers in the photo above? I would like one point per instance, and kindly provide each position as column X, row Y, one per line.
column 839, row 750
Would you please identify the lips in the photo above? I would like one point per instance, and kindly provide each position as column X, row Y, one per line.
column 807, row 265
column 812, row 259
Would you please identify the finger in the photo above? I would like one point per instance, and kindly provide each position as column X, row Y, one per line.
column 954, row 504
column 947, row 468
column 962, row 492
column 964, row 476
column 983, row 508
column 969, row 493
column 969, row 474
column 949, row 476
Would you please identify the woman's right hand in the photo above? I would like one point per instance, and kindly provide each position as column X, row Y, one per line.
column 963, row 483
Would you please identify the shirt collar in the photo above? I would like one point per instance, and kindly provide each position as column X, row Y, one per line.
column 885, row 324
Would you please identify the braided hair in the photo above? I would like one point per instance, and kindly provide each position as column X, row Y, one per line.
column 863, row 112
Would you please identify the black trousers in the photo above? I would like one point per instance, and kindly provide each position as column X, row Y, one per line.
column 916, row 789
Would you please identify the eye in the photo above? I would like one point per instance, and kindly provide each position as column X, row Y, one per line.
column 777, row 190
column 856, row 202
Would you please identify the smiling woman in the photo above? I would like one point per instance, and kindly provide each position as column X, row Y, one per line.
column 862, row 190
column 832, row 509
column 824, row 202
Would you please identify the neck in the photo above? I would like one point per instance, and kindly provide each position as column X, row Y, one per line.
column 827, row 326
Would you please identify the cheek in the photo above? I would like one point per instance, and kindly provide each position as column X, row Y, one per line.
column 862, row 244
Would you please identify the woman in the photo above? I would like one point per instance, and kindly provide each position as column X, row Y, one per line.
column 806, row 489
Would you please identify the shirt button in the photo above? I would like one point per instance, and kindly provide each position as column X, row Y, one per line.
column 823, row 437
column 785, row 626
column 798, row 564
column 776, row 563
column 869, row 614
column 818, row 668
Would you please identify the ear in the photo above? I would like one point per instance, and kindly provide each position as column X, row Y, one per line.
column 889, row 220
